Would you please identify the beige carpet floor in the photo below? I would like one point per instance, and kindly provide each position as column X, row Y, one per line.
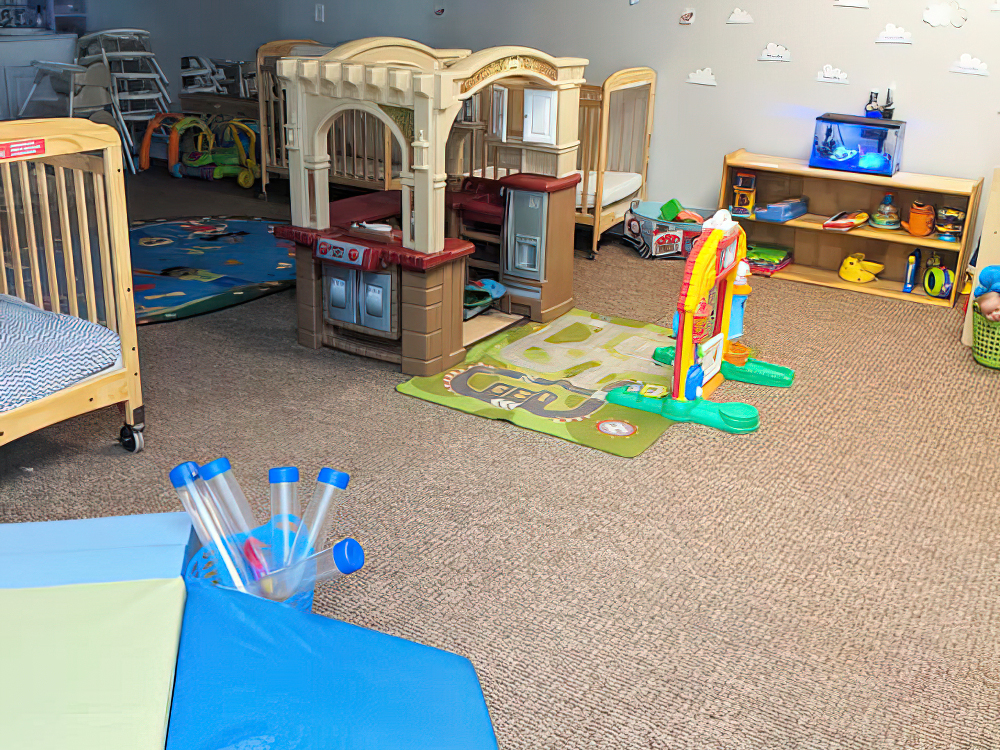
column 830, row 581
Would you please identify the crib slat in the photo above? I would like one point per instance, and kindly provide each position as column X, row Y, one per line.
column 386, row 156
column 364, row 144
column 343, row 142
column 67, row 242
column 12, row 233
column 29, row 228
column 107, row 281
column 279, row 133
column 83, row 229
column 41, row 178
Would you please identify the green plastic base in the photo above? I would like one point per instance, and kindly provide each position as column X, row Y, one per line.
column 734, row 418
column 759, row 373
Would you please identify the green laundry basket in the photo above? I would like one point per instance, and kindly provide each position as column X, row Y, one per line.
column 985, row 339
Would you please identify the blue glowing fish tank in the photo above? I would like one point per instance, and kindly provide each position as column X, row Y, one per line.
column 867, row 145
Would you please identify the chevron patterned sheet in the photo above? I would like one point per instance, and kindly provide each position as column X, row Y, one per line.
column 43, row 352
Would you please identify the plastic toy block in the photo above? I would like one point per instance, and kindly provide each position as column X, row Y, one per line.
column 90, row 666
column 253, row 673
column 670, row 209
column 93, row 550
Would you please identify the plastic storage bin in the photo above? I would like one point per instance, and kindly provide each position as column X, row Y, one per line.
column 203, row 564
column 866, row 145
column 655, row 238
column 782, row 211
column 985, row 339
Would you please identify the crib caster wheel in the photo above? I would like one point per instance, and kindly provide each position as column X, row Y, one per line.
column 130, row 438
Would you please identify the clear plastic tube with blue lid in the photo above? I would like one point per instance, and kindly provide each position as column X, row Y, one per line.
column 343, row 558
column 212, row 526
column 218, row 475
column 286, row 514
column 317, row 518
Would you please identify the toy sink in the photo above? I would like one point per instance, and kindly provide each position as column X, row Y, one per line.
column 655, row 238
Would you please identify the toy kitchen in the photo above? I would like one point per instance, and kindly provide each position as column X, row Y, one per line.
column 360, row 290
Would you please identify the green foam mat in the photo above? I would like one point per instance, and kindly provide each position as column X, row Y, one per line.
column 554, row 377
column 89, row 666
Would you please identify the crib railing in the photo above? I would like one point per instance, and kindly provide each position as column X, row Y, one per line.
column 64, row 247
column 363, row 152
column 56, row 238
column 615, row 126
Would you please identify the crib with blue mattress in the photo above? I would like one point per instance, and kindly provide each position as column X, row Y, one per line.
column 67, row 317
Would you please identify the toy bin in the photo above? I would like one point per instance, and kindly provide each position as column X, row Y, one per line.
column 204, row 565
column 985, row 339
column 655, row 238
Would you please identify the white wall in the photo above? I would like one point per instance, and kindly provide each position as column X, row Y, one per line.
column 952, row 120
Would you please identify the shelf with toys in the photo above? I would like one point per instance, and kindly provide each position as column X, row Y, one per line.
column 818, row 253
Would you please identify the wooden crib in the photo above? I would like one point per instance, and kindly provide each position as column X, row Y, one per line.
column 616, row 124
column 363, row 153
column 64, row 247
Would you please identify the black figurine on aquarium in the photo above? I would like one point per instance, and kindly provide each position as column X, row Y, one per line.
column 858, row 144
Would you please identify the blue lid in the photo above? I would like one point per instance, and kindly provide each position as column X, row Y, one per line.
column 348, row 556
column 283, row 474
column 331, row 476
column 214, row 468
column 179, row 475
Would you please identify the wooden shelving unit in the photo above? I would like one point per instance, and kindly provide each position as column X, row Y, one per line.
column 818, row 252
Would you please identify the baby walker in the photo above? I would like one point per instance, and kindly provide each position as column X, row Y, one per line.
column 206, row 154
column 699, row 368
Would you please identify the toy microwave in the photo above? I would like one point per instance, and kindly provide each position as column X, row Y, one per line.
column 867, row 145
column 655, row 238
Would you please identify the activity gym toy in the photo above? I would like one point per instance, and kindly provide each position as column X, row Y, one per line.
column 699, row 368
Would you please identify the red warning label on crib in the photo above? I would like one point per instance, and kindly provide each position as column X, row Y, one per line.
column 18, row 149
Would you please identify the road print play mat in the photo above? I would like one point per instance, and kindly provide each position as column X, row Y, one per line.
column 554, row 378
column 193, row 266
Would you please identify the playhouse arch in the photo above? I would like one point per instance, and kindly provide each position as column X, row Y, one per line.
column 401, row 73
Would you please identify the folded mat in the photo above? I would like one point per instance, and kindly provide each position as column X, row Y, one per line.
column 93, row 550
column 255, row 674
column 42, row 352
column 90, row 666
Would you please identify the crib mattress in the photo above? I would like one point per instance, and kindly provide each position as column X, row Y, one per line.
column 617, row 185
column 43, row 352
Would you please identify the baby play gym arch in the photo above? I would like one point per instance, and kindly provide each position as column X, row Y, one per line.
column 417, row 92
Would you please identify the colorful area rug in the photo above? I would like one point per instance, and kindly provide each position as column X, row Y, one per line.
column 189, row 267
column 554, row 378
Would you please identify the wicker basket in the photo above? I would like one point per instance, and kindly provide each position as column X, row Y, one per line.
column 985, row 339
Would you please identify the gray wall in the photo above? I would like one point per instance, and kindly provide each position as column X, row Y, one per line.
column 764, row 107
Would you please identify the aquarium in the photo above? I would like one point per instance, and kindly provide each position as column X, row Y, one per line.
column 867, row 145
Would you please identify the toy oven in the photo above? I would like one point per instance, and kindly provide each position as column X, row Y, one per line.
column 362, row 301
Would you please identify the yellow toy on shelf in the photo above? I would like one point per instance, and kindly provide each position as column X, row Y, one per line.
column 855, row 268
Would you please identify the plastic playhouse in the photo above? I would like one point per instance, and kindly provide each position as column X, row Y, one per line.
column 699, row 367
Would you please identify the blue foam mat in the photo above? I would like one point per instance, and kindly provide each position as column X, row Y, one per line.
column 254, row 674
column 94, row 550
